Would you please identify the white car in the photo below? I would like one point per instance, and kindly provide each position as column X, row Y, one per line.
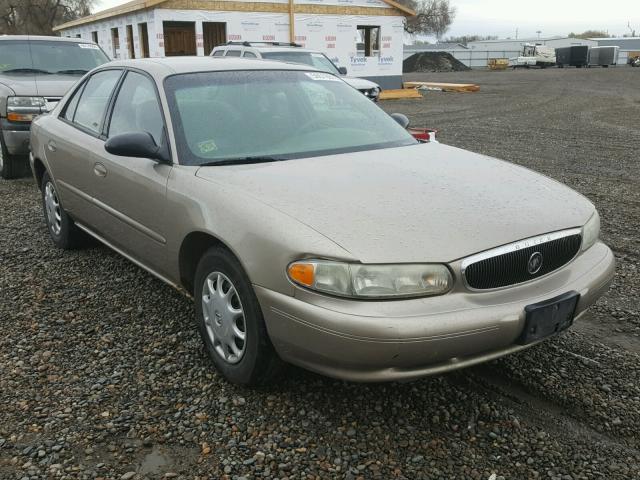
column 294, row 53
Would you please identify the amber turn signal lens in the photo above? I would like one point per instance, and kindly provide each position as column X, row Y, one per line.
column 302, row 273
column 19, row 117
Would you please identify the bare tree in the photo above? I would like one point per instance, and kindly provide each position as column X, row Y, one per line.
column 433, row 17
column 38, row 17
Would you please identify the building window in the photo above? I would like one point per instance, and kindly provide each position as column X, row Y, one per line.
column 115, row 40
column 144, row 40
column 130, row 46
column 368, row 40
column 94, row 37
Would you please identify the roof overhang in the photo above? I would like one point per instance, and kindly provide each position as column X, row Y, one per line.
column 137, row 5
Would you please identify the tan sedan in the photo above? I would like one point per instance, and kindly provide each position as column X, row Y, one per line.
column 308, row 225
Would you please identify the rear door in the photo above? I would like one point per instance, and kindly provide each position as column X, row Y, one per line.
column 73, row 139
column 132, row 191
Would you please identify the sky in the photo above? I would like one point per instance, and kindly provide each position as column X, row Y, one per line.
column 551, row 17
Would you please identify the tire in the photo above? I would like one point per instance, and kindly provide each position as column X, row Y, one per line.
column 62, row 230
column 10, row 165
column 257, row 363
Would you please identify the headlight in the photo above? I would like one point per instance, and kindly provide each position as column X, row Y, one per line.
column 591, row 231
column 371, row 281
column 24, row 109
column 18, row 103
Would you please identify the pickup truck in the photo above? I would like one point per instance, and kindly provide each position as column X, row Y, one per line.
column 35, row 72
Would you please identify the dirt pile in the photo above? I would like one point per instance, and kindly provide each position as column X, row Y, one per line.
column 433, row 62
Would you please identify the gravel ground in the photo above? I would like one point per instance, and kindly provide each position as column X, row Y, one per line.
column 102, row 373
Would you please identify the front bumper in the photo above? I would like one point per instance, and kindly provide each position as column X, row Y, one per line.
column 404, row 340
column 16, row 137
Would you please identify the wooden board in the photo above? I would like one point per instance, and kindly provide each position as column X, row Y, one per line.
column 400, row 93
column 445, row 87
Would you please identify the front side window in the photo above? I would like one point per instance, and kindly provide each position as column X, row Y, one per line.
column 136, row 108
column 249, row 55
column 233, row 53
column 226, row 116
column 47, row 57
column 218, row 53
column 94, row 100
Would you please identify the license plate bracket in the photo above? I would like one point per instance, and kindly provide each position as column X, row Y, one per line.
column 548, row 317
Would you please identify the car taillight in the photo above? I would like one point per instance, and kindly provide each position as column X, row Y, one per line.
column 424, row 134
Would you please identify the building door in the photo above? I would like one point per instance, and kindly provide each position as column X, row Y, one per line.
column 144, row 40
column 214, row 34
column 179, row 38
column 130, row 45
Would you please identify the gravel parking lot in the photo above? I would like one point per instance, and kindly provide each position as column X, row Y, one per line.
column 102, row 373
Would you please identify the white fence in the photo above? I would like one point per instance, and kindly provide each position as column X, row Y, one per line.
column 480, row 58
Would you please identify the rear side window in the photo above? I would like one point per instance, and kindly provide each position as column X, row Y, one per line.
column 233, row 53
column 94, row 100
column 137, row 109
column 218, row 53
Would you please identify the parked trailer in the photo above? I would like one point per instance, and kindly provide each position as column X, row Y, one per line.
column 576, row 56
column 603, row 56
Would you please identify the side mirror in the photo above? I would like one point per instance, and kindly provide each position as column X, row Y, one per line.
column 402, row 120
column 342, row 70
column 136, row 144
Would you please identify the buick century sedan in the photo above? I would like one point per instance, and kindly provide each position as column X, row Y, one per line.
column 308, row 225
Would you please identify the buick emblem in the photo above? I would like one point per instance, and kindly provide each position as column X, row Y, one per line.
column 535, row 263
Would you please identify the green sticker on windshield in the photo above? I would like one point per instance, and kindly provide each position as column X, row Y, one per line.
column 207, row 146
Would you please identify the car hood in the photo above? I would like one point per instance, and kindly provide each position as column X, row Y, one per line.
column 39, row 85
column 360, row 83
column 422, row 203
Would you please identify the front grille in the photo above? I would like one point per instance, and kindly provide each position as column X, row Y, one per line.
column 512, row 264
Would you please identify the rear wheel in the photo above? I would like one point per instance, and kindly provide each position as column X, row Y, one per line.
column 230, row 321
column 62, row 229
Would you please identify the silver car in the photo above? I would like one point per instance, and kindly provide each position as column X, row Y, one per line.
column 308, row 225
column 294, row 53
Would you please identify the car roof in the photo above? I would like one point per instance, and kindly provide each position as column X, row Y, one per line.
column 36, row 38
column 165, row 66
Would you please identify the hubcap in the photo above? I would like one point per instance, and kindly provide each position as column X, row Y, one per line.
column 224, row 317
column 52, row 206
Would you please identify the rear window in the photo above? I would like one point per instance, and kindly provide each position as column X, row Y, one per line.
column 46, row 57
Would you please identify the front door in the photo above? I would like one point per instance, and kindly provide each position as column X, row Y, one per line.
column 74, row 139
column 132, row 191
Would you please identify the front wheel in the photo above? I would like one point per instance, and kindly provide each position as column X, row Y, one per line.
column 230, row 321
column 62, row 229
column 10, row 165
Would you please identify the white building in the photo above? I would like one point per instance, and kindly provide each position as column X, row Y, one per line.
column 516, row 44
column 366, row 36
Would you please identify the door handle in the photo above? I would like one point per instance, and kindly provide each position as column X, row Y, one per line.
column 51, row 145
column 100, row 170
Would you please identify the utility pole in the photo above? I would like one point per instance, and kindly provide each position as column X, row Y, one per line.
column 538, row 32
column 516, row 33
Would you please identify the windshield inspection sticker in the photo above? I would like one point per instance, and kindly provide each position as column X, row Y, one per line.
column 207, row 146
column 88, row 45
column 322, row 76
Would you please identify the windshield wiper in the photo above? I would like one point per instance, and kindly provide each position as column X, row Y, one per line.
column 72, row 71
column 26, row 70
column 242, row 161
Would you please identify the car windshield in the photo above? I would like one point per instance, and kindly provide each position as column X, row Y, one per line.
column 274, row 115
column 316, row 60
column 37, row 56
